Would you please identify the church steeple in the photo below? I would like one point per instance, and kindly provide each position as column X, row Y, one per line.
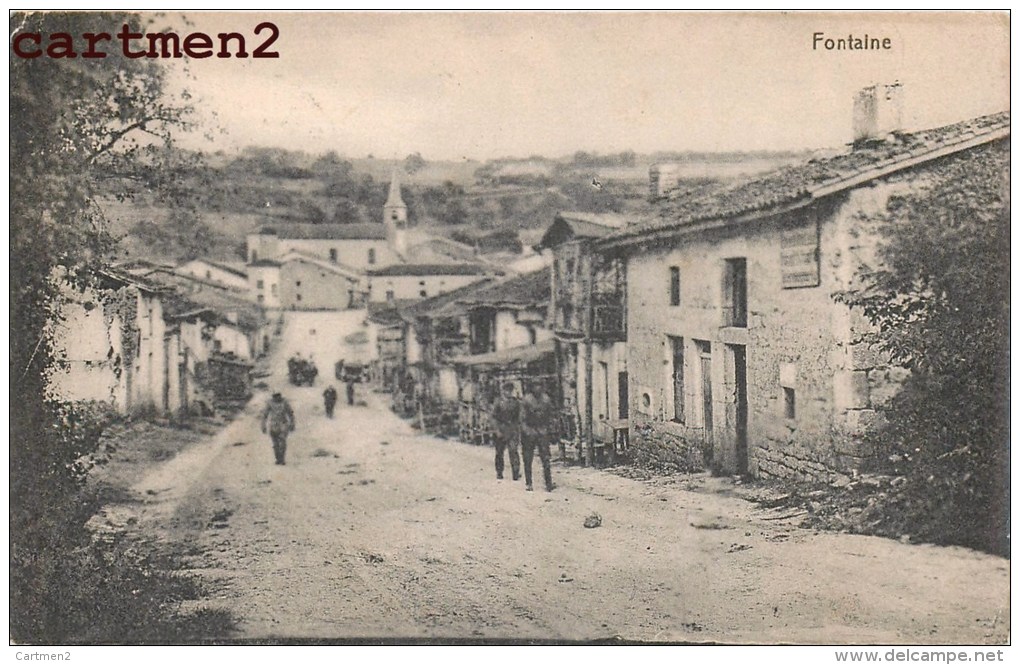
column 394, row 199
column 395, row 217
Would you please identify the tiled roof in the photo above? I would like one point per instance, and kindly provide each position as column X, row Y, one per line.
column 518, row 355
column 440, row 305
column 816, row 178
column 528, row 290
column 327, row 231
column 567, row 225
column 428, row 269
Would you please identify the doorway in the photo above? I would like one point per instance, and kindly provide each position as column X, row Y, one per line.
column 705, row 384
column 738, row 355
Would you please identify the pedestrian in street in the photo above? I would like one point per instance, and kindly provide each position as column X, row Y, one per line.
column 329, row 396
column 506, row 413
column 537, row 414
column 278, row 420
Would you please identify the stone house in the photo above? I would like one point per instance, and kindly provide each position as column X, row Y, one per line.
column 508, row 313
column 587, row 315
column 264, row 283
column 308, row 283
column 360, row 246
column 407, row 282
column 739, row 356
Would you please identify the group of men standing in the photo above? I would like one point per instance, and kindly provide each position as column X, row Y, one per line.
column 525, row 424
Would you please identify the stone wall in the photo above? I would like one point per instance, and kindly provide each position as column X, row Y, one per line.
column 662, row 448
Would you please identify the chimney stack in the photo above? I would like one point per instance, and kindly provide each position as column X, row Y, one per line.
column 878, row 112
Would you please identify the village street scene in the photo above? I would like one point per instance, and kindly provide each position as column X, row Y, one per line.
column 285, row 391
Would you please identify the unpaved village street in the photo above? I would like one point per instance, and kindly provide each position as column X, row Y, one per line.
column 372, row 530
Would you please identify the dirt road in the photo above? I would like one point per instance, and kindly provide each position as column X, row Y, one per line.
column 371, row 530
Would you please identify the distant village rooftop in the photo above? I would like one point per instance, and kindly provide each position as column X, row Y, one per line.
column 797, row 186
column 429, row 269
column 527, row 290
column 569, row 224
column 326, row 231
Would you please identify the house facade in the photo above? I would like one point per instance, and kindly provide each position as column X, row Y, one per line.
column 360, row 246
column 739, row 355
column 587, row 314
column 408, row 281
column 218, row 273
column 307, row 283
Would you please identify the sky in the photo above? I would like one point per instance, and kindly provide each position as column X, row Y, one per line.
column 484, row 85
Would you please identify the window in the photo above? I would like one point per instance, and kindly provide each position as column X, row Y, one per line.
column 395, row 216
column 371, row 256
column 674, row 286
column 208, row 274
column 254, row 256
column 389, row 295
column 261, row 298
column 532, row 336
column 298, row 297
column 260, row 284
column 217, row 346
column 332, row 255
column 297, row 283
column 677, row 348
column 790, row 403
column 423, row 293
column 735, row 293
column 272, row 289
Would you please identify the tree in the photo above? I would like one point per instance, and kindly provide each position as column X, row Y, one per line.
column 79, row 128
column 414, row 163
column 940, row 307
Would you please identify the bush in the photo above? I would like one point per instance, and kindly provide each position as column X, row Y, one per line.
column 940, row 307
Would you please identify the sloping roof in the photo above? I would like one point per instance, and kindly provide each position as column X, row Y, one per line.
column 142, row 282
column 439, row 306
column 528, row 290
column 226, row 268
column 223, row 302
column 337, row 268
column 518, row 355
column 368, row 231
column 568, row 225
column 429, row 269
column 817, row 178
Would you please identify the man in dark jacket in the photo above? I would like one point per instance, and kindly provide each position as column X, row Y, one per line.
column 329, row 400
column 537, row 414
column 506, row 413
column 278, row 420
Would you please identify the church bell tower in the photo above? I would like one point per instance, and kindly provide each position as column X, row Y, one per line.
column 395, row 217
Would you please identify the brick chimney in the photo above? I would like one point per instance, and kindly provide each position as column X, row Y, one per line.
column 878, row 112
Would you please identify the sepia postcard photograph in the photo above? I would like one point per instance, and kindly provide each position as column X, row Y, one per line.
column 511, row 328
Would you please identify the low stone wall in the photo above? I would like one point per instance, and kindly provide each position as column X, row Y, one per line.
column 654, row 446
column 796, row 464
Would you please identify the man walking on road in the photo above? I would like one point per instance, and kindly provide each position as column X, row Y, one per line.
column 278, row 419
column 329, row 396
column 507, row 415
column 537, row 417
